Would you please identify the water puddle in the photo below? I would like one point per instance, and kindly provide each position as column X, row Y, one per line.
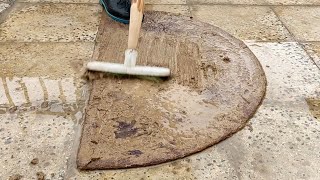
column 41, row 94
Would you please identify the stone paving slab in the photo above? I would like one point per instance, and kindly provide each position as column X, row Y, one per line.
column 245, row 22
column 313, row 49
column 257, row 2
column 165, row 1
column 29, row 93
column 251, row 2
column 97, row 1
column 296, row 74
column 302, row 22
column 293, row 2
column 27, row 136
column 60, row 1
column 40, row 123
column 51, row 23
column 177, row 9
column 44, row 59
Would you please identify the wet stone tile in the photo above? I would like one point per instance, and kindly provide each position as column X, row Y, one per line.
column 42, row 77
column 97, row 1
column 165, row 1
column 313, row 49
column 291, row 73
column 251, row 2
column 277, row 141
column 62, row 1
column 177, row 9
column 293, row 2
column 64, row 96
column 51, row 23
column 302, row 21
column 257, row 2
column 29, row 136
column 43, row 59
column 244, row 22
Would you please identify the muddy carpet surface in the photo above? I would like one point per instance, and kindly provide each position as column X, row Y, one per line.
column 216, row 86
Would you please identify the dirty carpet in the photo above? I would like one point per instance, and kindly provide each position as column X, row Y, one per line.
column 216, row 86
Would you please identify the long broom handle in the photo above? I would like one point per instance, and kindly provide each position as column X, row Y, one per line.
column 136, row 15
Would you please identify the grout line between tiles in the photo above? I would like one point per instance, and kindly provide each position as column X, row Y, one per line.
column 314, row 62
column 283, row 24
column 299, row 43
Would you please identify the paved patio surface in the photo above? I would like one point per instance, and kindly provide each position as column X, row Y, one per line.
column 44, row 43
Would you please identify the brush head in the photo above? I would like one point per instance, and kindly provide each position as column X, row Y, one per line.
column 128, row 67
column 129, row 70
column 95, row 75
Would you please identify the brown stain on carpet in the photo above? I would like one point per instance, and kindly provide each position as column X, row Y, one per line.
column 314, row 107
column 215, row 87
column 125, row 129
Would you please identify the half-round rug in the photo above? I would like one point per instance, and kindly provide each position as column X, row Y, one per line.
column 216, row 86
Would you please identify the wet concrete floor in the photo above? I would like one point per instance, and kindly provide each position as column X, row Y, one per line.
column 43, row 45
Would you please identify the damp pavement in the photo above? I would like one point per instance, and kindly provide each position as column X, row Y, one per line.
column 44, row 43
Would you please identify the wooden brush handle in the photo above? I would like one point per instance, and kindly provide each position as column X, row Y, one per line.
column 136, row 15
